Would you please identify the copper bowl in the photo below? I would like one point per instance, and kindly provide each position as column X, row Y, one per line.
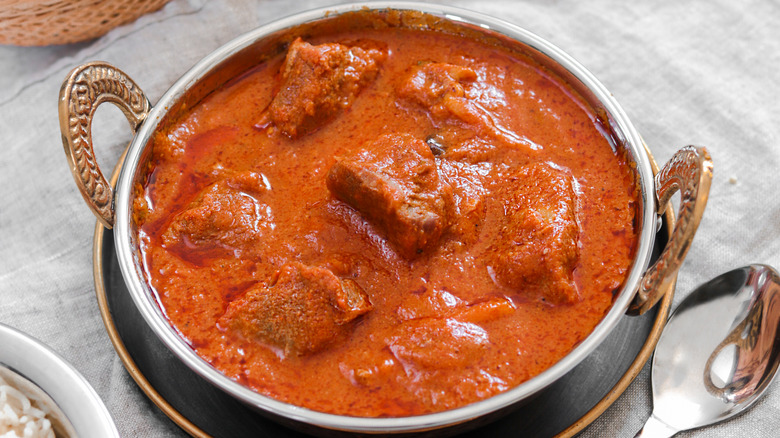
column 87, row 86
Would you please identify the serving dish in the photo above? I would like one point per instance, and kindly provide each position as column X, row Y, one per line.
column 75, row 397
column 92, row 84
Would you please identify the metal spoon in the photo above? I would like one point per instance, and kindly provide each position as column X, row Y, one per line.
column 718, row 353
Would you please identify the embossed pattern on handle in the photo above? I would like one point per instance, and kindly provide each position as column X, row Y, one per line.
column 85, row 88
column 690, row 172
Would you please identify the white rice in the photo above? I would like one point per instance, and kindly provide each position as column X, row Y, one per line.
column 22, row 416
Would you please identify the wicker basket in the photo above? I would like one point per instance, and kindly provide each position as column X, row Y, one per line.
column 44, row 22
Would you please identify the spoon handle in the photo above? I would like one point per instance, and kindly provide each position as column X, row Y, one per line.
column 655, row 428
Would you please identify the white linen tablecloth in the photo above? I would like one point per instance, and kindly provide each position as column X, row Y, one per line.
column 687, row 72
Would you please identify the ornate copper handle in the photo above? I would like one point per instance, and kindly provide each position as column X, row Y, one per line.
column 690, row 172
column 85, row 88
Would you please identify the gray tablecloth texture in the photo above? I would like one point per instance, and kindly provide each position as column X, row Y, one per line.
column 686, row 72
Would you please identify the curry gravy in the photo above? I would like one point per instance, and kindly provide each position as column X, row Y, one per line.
column 445, row 221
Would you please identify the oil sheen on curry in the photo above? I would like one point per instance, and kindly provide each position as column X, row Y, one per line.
column 388, row 222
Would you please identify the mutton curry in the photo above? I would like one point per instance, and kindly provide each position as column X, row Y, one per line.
column 386, row 222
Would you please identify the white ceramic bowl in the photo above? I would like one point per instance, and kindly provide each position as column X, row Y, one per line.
column 74, row 396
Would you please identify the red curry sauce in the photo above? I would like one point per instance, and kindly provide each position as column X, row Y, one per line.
column 417, row 222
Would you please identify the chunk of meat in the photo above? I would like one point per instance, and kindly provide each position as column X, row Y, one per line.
column 436, row 334
column 304, row 310
column 467, row 148
column 436, row 343
column 226, row 218
column 431, row 84
column 394, row 183
column 426, row 351
column 443, row 89
column 468, row 193
column 537, row 246
column 441, row 303
column 317, row 82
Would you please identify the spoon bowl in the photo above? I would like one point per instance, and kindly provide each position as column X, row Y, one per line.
column 719, row 352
